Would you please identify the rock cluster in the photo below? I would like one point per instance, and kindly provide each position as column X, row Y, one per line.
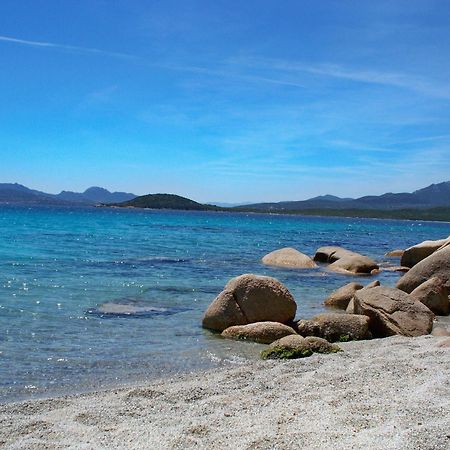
column 261, row 309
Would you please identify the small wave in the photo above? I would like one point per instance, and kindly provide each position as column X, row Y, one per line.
column 152, row 260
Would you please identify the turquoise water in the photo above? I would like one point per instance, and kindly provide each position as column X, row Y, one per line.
column 61, row 269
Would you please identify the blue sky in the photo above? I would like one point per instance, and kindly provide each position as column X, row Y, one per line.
column 225, row 100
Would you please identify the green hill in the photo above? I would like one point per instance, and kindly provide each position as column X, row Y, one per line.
column 166, row 201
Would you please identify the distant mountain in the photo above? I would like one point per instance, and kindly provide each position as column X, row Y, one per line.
column 331, row 198
column 94, row 195
column 166, row 201
column 18, row 194
column 435, row 195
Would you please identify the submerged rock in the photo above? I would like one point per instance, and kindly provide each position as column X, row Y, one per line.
column 250, row 298
column 290, row 258
column 262, row 332
column 131, row 309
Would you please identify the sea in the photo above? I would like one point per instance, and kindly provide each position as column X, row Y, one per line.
column 94, row 298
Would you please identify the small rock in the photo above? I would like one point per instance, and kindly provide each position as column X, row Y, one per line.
column 289, row 347
column 295, row 346
column 262, row 332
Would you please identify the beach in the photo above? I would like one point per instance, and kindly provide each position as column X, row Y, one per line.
column 391, row 393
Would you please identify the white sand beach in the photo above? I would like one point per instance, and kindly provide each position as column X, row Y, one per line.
column 391, row 393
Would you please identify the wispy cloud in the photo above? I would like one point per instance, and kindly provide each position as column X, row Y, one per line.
column 72, row 48
column 268, row 70
column 401, row 80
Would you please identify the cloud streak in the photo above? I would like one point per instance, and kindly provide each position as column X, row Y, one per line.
column 235, row 68
column 401, row 80
column 71, row 48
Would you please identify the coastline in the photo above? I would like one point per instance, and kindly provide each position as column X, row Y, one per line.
column 391, row 393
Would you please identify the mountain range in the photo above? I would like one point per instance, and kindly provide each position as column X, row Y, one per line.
column 18, row 194
column 431, row 196
column 435, row 195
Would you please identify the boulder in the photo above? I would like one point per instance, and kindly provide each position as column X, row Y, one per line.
column 262, row 332
column 330, row 254
column 412, row 255
column 345, row 261
column 434, row 294
column 290, row 258
column 342, row 296
column 336, row 327
column 351, row 304
column 392, row 311
column 295, row 346
column 250, row 298
column 355, row 265
column 394, row 254
column 435, row 265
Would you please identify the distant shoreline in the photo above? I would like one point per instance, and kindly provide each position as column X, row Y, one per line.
column 441, row 215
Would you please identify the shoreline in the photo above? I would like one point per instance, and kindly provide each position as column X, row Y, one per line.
column 385, row 393
column 299, row 213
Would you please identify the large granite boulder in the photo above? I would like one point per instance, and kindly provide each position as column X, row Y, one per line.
column 331, row 253
column 345, row 261
column 250, row 298
column 434, row 294
column 295, row 346
column 290, row 258
column 336, row 327
column 435, row 265
column 392, row 312
column 412, row 255
column 262, row 332
column 354, row 265
column 342, row 296
column 351, row 304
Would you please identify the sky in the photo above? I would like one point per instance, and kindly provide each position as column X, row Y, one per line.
column 225, row 101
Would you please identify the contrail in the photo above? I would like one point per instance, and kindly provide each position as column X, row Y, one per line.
column 72, row 48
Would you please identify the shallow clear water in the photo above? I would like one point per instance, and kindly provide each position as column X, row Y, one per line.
column 62, row 269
